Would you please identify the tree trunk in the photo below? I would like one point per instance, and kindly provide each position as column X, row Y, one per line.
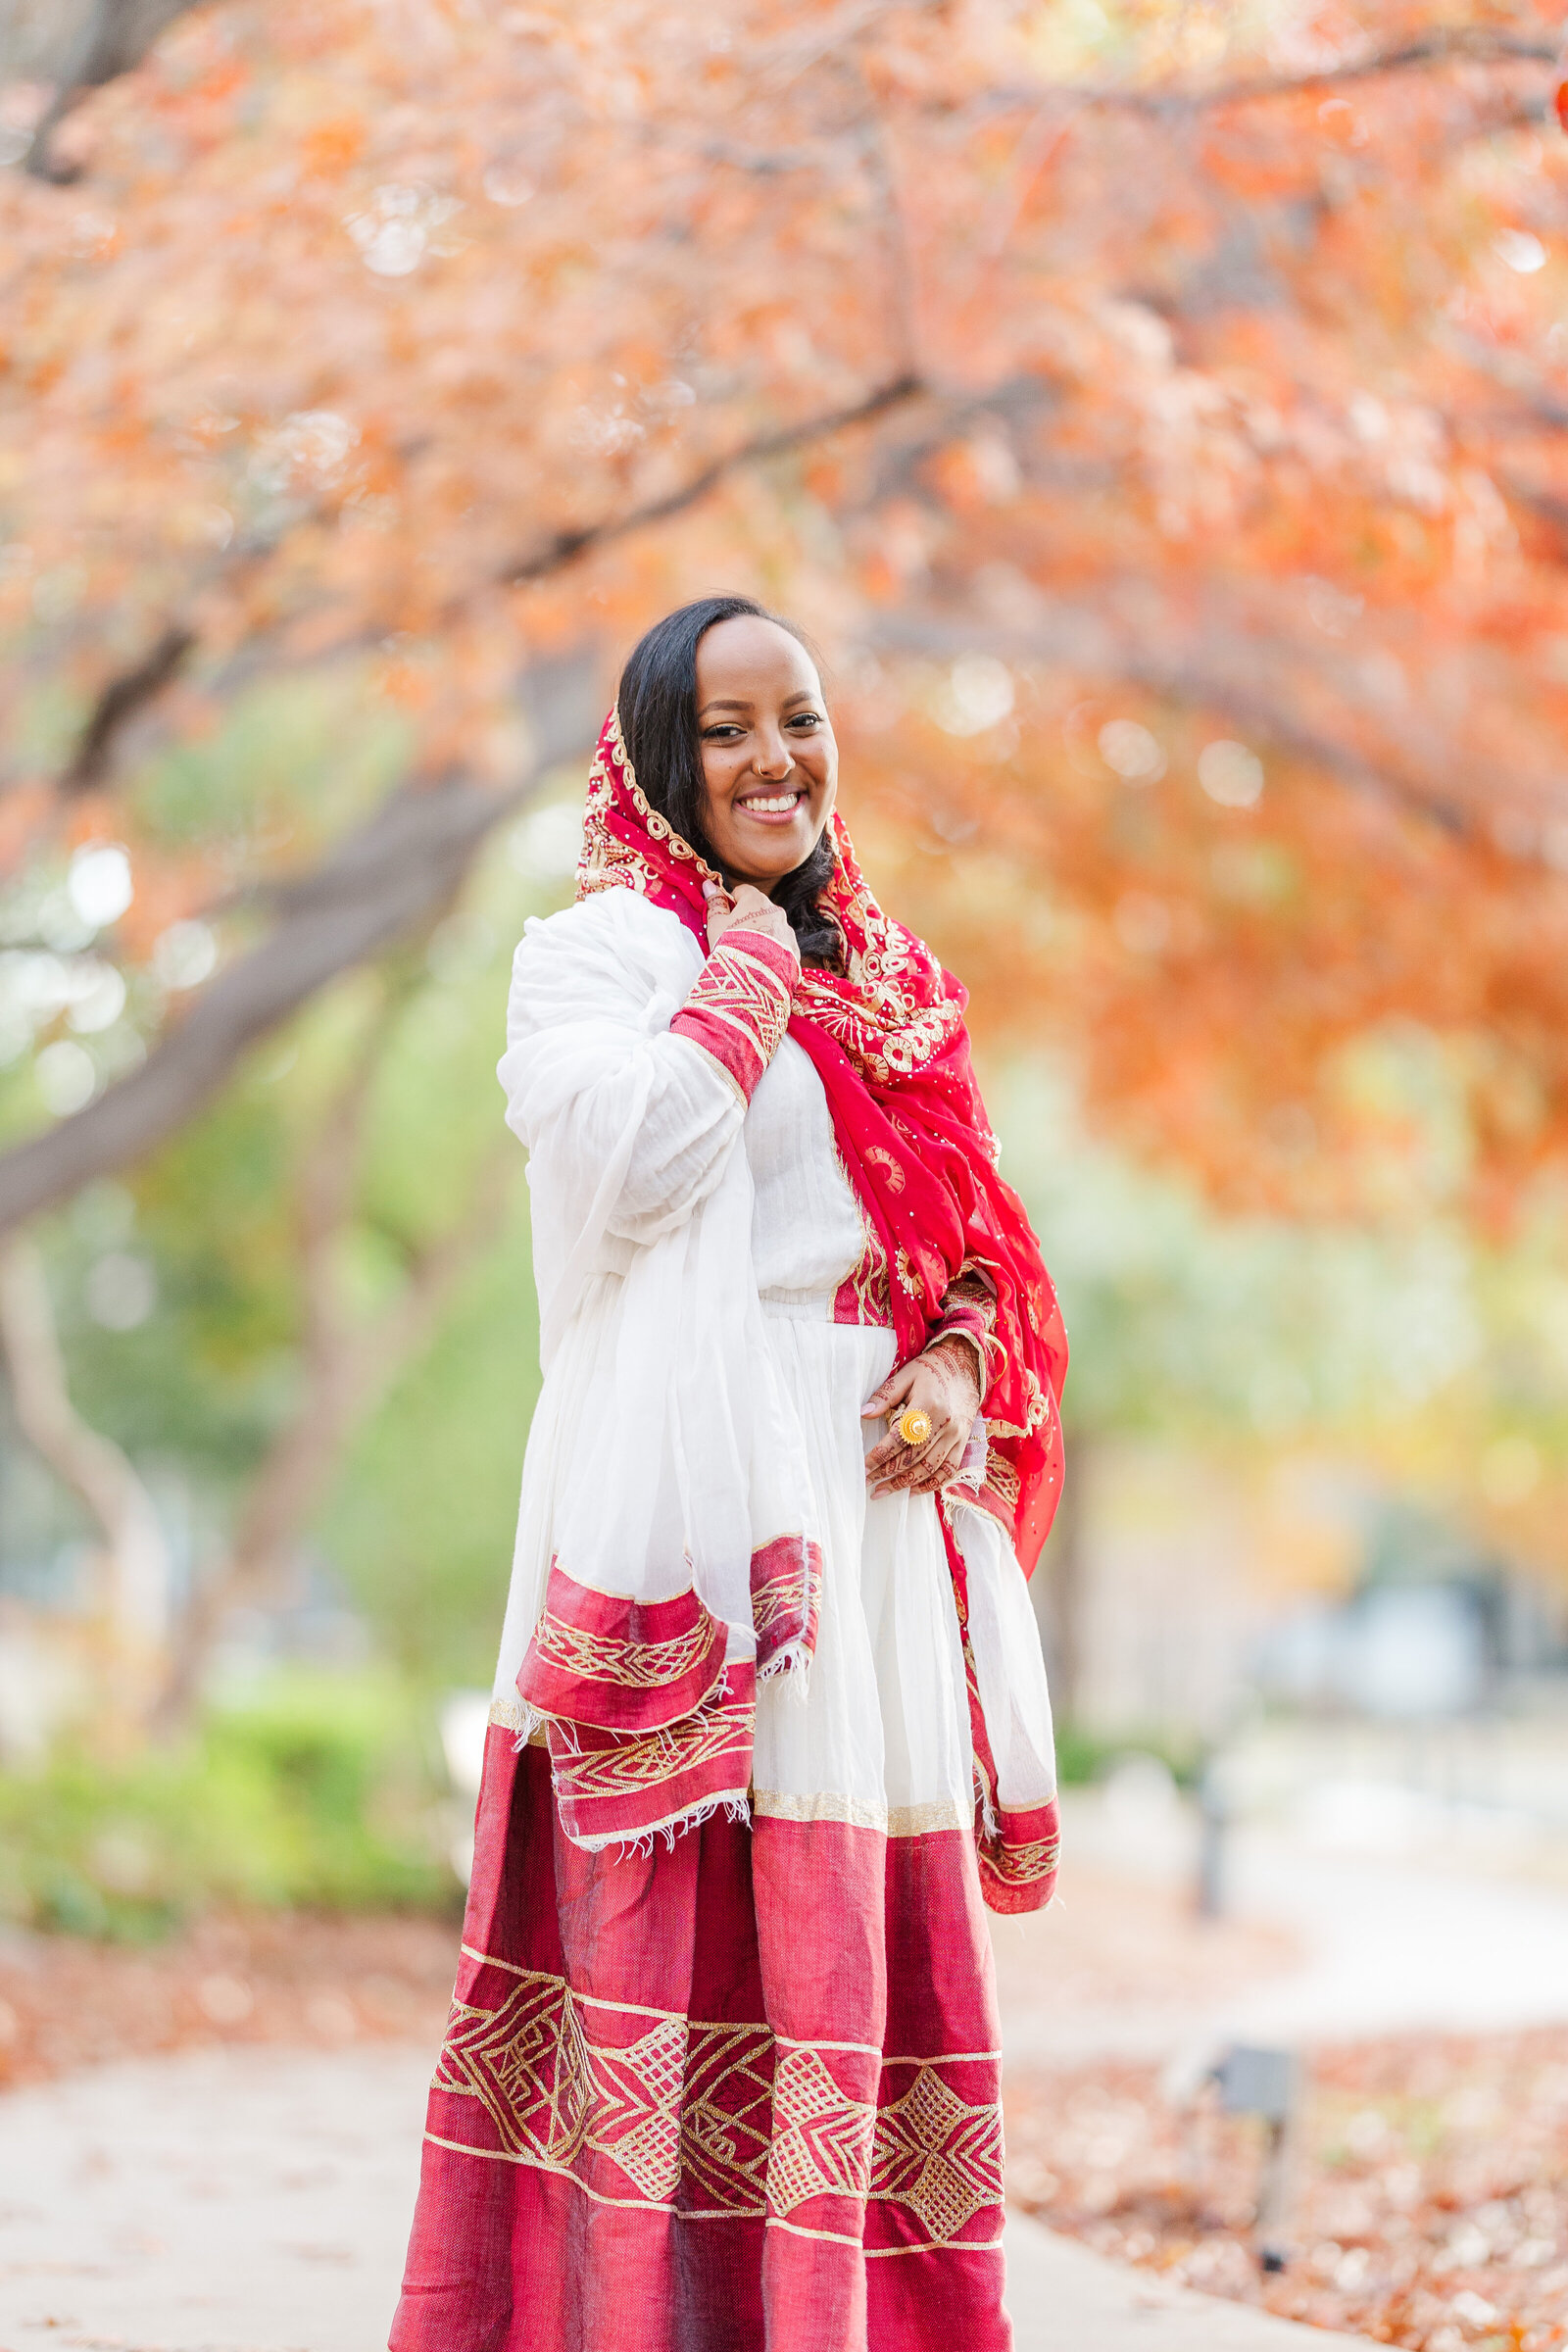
column 136, row 1596
column 349, row 1365
column 74, row 46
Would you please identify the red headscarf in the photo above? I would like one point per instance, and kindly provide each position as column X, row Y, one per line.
column 889, row 1043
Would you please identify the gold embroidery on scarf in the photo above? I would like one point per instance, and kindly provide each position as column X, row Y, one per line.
column 746, row 995
column 606, row 861
column 1001, row 1478
column 1022, row 1865
column 868, row 1284
column 866, row 1287
column 1036, row 1410
column 605, row 1658
column 638, row 1761
column 792, row 1597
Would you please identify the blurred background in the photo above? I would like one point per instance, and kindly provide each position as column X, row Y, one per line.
column 1157, row 412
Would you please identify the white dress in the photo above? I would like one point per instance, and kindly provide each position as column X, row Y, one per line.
column 735, row 2089
column 595, row 1082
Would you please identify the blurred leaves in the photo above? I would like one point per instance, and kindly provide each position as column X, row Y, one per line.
column 1194, row 561
column 1429, row 2203
column 309, row 1791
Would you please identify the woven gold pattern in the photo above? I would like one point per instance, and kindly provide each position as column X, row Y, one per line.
column 711, row 2119
column 938, row 2155
column 605, row 1657
column 822, row 2137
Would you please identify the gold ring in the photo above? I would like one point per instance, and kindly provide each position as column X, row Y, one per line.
column 915, row 1426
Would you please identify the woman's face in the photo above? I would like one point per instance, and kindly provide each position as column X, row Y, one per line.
column 770, row 766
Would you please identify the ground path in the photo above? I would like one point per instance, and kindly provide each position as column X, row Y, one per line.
column 257, row 2200
column 253, row 2195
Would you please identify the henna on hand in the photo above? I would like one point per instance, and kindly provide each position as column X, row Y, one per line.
column 944, row 1383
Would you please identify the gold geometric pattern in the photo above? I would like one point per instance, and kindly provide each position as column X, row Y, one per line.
column 788, row 1594
column 746, row 993
column 790, row 1600
column 938, row 2155
column 554, row 2096
column 1001, row 1478
column 727, row 2121
column 709, row 2118
column 822, row 2137
column 631, row 1763
column 1021, row 1865
column 635, row 1665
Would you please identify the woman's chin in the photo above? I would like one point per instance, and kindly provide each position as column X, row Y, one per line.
column 767, row 865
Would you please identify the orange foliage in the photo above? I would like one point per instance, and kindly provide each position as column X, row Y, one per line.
column 1225, row 426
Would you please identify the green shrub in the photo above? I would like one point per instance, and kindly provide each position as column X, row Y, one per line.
column 1083, row 1757
column 313, row 1789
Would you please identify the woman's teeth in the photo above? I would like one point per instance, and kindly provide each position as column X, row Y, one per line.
column 778, row 804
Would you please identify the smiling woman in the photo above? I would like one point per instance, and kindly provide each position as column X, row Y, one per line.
column 770, row 767
column 749, row 775
column 770, row 1719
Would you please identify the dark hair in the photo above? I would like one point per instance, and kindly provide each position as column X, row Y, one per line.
column 657, row 703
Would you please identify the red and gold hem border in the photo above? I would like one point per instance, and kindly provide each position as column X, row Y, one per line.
column 619, row 1665
column 786, row 1599
column 709, row 2121
column 1018, row 1859
column 618, row 1788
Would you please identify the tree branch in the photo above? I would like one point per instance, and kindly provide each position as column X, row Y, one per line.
column 398, row 869
column 1074, row 639
column 1465, row 46
column 564, row 547
column 119, row 702
column 130, row 691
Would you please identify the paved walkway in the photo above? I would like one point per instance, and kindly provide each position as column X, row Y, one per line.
column 256, row 2201
column 1388, row 1944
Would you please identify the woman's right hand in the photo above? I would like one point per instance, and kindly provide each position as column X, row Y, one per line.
column 750, row 909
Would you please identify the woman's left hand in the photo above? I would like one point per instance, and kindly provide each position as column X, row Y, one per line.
column 943, row 1384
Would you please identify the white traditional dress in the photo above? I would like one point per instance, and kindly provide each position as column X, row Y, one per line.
column 722, row 2067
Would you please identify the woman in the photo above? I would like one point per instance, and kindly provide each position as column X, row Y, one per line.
column 721, row 2074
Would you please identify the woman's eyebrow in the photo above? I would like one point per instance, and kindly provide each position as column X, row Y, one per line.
column 728, row 703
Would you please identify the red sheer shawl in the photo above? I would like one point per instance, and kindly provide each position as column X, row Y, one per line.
column 889, row 1042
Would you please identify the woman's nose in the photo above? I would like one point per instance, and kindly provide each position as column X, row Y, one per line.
column 773, row 758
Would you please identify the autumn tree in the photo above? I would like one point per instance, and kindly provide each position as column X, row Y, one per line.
column 1156, row 414
column 1161, row 427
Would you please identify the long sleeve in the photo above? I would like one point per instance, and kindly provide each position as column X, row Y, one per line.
column 662, row 1438
column 629, row 1063
column 740, row 1007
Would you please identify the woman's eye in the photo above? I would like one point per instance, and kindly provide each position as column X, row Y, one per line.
column 805, row 718
column 720, row 734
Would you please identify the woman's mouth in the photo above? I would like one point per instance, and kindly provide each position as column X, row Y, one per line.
column 771, row 808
